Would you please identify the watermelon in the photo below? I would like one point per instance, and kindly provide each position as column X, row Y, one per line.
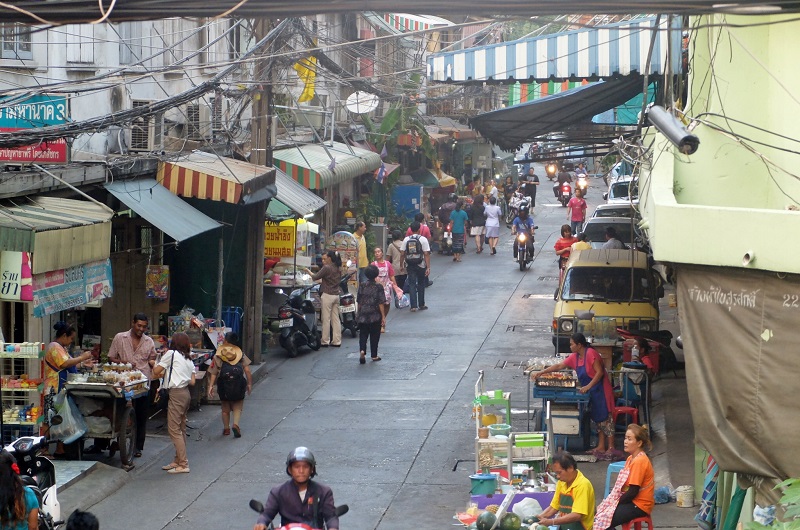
column 473, row 526
column 510, row 521
column 486, row 521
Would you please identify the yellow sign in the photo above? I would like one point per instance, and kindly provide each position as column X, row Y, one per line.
column 279, row 241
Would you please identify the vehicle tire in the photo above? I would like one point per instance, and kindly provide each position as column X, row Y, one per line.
column 510, row 216
column 291, row 347
column 521, row 263
column 127, row 436
column 316, row 341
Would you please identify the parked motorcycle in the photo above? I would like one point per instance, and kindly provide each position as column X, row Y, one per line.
column 565, row 194
column 523, row 247
column 259, row 507
column 39, row 473
column 298, row 322
column 517, row 201
column 347, row 306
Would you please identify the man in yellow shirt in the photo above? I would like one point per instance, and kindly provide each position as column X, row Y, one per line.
column 363, row 260
column 573, row 503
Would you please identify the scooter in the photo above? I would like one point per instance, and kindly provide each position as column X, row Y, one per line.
column 258, row 507
column 565, row 195
column 582, row 184
column 347, row 306
column 523, row 247
column 298, row 322
column 39, row 473
column 517, row 201
column 447, row 239
column 551, row 170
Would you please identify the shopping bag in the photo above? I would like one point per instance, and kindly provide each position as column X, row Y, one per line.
column 72, row 426
column 404, row 301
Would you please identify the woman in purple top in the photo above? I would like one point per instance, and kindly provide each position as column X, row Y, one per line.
column 371, row 314
column 594, row 381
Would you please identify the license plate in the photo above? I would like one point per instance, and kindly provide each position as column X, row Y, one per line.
column 285, row 323
column 565, row 193
column 347, row 308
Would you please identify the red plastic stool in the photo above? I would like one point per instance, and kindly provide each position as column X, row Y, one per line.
column 637, row 523
column 633, row 412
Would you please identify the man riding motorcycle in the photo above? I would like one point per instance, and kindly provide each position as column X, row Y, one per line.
column 523, row 223
column 300, row 500
column 444, row 218
column 563, row 178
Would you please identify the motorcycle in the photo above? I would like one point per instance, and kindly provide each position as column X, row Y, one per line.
column 517, row 200
column 258, row 507
column 347, row 306
column 298, row 322
column 39, row 473
column 447, row 239
column 582, row 184
column 551, row 170
column 523, row 248
column 565, row 194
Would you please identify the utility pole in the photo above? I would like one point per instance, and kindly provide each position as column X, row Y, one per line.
column 261, row 148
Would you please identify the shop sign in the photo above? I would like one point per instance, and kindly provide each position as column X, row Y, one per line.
column 16, row 278
column 64, row 289
column 279, row 241
column 33, row 112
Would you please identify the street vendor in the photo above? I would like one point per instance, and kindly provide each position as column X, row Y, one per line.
column 572, row 507
column 138, row 349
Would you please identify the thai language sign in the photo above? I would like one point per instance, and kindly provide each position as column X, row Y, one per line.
column 32, row 112
column 279, row 241
column 16, row 277
column 63, row 289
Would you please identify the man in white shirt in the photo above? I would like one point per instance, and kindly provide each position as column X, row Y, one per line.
column 417, row 257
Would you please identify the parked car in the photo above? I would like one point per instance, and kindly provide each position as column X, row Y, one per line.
column 595, row 229
column 623, row 189
column 598, row 287
column 615, row 210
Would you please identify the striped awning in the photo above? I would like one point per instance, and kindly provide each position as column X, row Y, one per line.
column 208, row 176
column 318, row 166
column 406, row 22
column 591, row 53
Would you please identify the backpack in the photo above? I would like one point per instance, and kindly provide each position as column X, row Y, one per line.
column 414, row 254
column 231, row 383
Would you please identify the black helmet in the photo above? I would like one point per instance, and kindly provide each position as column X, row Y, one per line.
column 452, row 197
column 301, row 454
column 524, row 209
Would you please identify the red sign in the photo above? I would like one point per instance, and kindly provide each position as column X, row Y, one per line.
column 43, row 153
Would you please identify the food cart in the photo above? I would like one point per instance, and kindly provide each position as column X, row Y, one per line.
column 103, row 397
column 565, row 410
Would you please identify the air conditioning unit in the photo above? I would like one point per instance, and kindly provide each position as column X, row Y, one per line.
column 313, row 117
column 147, row 132
column 198, row 122
column 217, row 113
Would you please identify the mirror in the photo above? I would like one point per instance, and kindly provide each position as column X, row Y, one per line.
column 256, row 506
column 605, row 196
column 341, row 510
column 56, row 420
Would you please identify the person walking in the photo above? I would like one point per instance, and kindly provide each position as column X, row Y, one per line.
column 361, row 240
column 459, row 219
column 477, row 223
column 394, row 254
column 387, row 280
column 329, row 277
column 424, row 229
column 371, row 317
column 177, row 364
column 230, row 369
column 417, row 257
column 492, row 213
column 530, row 187
column 576, row 212
column 20, row 508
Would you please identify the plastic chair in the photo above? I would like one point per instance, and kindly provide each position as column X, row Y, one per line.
column 637, row 523
column 613, row 467
column 633, row 412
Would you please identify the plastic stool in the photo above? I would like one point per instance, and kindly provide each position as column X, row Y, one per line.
column 637, row 523
column 613, row 467
column 633, row 412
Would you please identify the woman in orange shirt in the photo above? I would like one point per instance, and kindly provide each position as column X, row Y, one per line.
column 637, row 493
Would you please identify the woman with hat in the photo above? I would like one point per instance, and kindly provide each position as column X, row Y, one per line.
column 233, row 371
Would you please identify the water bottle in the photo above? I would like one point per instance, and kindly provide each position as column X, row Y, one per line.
column 635, row 353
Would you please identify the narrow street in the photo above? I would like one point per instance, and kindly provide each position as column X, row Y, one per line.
column 394, row 439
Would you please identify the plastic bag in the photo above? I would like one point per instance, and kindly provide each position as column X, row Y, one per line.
column 764, row 515
column 527, row 507
column 404, row 301
column 72, row 426
column 98, row 424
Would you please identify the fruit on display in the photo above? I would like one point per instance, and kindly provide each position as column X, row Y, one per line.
column 492, row 508
column 510, row 521
column 486, row 521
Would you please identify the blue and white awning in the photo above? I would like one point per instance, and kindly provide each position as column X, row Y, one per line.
column 592, row 53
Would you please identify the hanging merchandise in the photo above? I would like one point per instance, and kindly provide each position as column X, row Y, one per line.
column 157, row 282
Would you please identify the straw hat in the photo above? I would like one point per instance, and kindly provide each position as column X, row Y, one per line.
column 230, row 353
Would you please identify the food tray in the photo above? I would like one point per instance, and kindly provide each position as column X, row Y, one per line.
column 557, row 380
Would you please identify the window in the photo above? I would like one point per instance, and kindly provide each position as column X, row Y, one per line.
column 219, row 44
column 130, row 42
column 609, row 284
column 16, row 41
column 80, row 43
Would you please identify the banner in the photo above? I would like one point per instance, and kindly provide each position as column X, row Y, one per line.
column 16, row 281
column 63, row 289
column 156, row 283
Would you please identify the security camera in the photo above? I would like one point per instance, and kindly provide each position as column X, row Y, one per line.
column 671, row 127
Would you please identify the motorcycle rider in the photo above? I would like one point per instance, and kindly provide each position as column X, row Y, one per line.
column 523, row 223
column 444, row 217
column 300, row 500
column 563, row 178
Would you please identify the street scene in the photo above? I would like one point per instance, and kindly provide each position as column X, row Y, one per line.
column 329, row 265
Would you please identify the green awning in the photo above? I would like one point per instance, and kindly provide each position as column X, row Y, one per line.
column 318, row 166
column 425, row 177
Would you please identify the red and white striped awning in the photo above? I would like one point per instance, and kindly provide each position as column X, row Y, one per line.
column 208, row 176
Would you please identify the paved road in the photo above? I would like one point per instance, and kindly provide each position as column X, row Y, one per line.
column 394, row 439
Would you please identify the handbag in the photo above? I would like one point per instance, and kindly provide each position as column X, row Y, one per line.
column 161, row 400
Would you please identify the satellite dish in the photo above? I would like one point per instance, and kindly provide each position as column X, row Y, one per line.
column 361, row 102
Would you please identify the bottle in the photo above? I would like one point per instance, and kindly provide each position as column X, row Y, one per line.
column 635, row 352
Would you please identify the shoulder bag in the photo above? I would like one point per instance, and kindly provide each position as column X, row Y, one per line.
column 161, row 400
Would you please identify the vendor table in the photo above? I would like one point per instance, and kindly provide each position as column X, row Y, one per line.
column 116, row 407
